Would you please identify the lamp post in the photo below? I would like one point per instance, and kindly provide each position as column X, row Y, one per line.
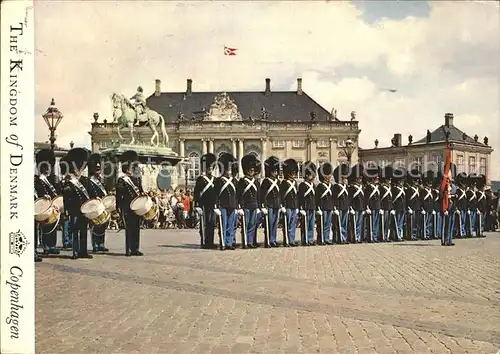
column 52, row 118
column 348, row 150
column 185, row 164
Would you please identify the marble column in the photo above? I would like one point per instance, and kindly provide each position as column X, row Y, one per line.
column 204, row 146
column 240, row 155
column 263, row 156
column 211, row 146
column 235, row 148
column 180, row 168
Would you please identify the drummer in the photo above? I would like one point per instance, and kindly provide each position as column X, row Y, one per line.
column 45, row 161
column 66, row 223
column 75, row 194
column 128, row 187
column 97, row 190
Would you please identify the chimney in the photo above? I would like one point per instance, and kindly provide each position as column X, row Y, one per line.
column 299, row 86
column 157, row 87
column 448, row 120
column 268, row 86
column 189, row 87
column 397, row 140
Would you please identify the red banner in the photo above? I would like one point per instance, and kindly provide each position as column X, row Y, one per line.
column 446, row 179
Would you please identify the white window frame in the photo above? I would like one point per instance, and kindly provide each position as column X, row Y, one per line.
column 278, row 144
column 298, row 144
column 472, row 164
column 195, row 169
column 323, row 143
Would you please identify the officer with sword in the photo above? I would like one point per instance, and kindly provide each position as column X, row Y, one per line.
column 247, row 191
column 269, row 198
column 204, row 197
column 324, row 203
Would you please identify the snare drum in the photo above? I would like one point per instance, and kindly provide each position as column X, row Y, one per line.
column 145, row 207
column 45, row 213
column 109, row 202
column 95, row 211
column 59, row 203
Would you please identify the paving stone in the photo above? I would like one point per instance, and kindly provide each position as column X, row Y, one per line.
column 411, row 297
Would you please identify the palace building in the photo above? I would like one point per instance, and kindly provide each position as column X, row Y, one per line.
column 286, row 124
column 469, row 154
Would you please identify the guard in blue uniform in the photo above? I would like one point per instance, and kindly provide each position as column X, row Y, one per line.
column 270, row 200
column 324, row 203
column 44, row 187
column 460, row 205
column 74, row 195
column 437, row 218
column 128, row 187
column 399, row 201
column 481, row 205
column 247, row 191
column 341, row 205
column 357, row 202
column 372, row 203
column 204, row 200
column 470, row 194
column 427, row 202
column 412, row 191
column 387, row 224
column 97, row 190
column 289, row 200
column 226, row 200
column 307, row 203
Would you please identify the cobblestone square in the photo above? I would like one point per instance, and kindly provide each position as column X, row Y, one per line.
column 412, row 297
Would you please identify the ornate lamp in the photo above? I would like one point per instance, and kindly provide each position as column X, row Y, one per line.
column 52, row 118
column 348, row 150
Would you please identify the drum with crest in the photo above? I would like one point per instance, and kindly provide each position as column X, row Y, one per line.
column 109, row 202
column 95, row 211
column 144, row 207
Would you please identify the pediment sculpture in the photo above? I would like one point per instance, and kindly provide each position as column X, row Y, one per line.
column 223, row 108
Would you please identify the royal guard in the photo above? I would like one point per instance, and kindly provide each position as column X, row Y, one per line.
column 372, row 202
column 491, row 217
column 270, row 200
column 235, row 173
column 247, row 191
column 398, row 191
column 387, row 224
column 460, row 205
column 129, row 187
column 45, row 188
column 289, row 201
column 74, row 195
column 66, row 227
column 470, row 194
column 427, row 202
column 450, row 213
column 437, row 218
column 307, row 204
column 226, row 201
column 412, row 191
column 324, row 203
column 342, row 228
column 357, row 202
column 204, row 197
column 482, row 205
column 97, row 190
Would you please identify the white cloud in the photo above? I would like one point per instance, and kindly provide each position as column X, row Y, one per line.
column 443, row 63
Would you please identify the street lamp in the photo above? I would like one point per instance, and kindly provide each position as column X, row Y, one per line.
column 52, row 117
column 186, row 164
column 348, row 150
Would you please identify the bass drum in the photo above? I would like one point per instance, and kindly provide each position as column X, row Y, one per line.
column 144, row 207
column 59, row 203
column 45, row 213
column 95, row 211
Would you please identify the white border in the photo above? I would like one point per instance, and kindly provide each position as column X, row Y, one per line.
column 17, row 286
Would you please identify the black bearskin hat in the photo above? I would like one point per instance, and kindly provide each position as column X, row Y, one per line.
column 94, row 163
column 429, row 177
column 308, row 169
column 129, row 156
column 371, row 172
column 473, row 179
column 340, row 171
column 226, row 161
column 290, row 167
column 77, row 158
column 399, row 173
column 481, row 181
column 63, row 165
column 413, row 176
column 387, row 172
column 248, row 162
column 272, row 164
column 207, row 162
column 461, row 178
column 324, row 169
column 357, row 171
column 45, row 155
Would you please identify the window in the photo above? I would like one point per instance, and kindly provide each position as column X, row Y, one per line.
column 472, row 164
column 194, row 168
column 383, row 163
column 460, row 164
column 482, row 166
column 399, row 162
column 323, row 143
column 278, row 144
column 416, row 164
column 437, row 161
column 298, row 144
column 341, row 143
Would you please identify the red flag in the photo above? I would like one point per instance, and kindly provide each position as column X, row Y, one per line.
column 229, row 51
column 446, row 180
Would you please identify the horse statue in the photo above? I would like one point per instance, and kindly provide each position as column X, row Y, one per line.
column 125, row 115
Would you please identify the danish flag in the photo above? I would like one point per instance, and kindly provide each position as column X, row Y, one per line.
column 229, row 51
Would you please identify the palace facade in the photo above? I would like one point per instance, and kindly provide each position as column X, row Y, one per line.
column 286, row 124
column 469, row 154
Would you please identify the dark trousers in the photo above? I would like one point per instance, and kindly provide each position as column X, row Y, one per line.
column 132, row 231
column 49, row 236
column 36, row 238
column 98, row 235
column 79, row 228
column 209, row 222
